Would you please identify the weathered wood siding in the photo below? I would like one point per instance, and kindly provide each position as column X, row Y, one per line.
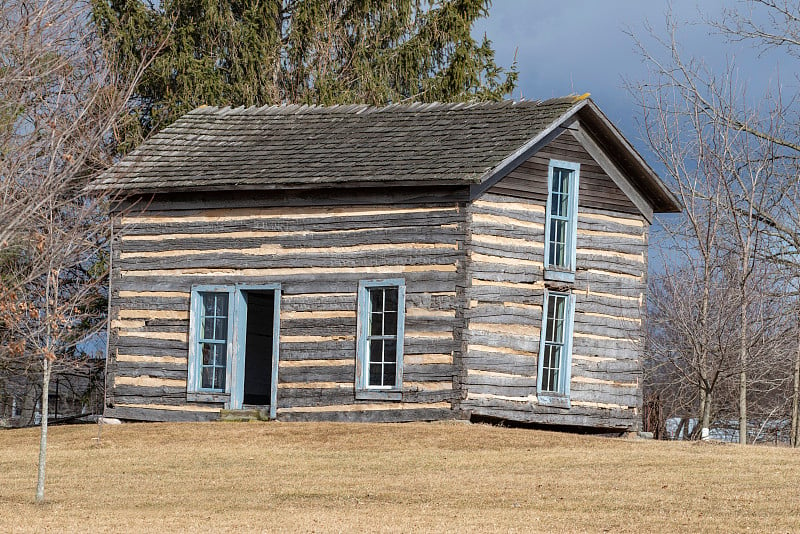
column 505, row 243
column 318, row 254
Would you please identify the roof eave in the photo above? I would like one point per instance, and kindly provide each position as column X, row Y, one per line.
column 132, row 189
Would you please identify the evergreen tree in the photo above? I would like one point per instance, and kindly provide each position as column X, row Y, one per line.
column 258, row 52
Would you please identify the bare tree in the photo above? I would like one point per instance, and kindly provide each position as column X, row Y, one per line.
column 59, row 105
column 742, row 164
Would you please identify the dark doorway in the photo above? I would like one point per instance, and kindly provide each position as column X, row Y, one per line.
column 258, row 347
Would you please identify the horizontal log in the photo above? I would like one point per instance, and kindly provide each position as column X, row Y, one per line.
column 503, row 222
column 157, row 350
column 505, row 379
column 143, row 380
column 345, row 301
column 371, row 416
column 322, row 282
column 624, row 370
column 139, row 413
column 598, row 421
column 403, row 236
column 505, row 312
column 333, row 374
column 358, row 195
column 134, row 370
column 436, row 259
column 499, row 362
column 148, row 345
column 148, row 359
column 180, row 304
column 150, row 392
column 427, row 372
column 528, row 343
column 361, row 215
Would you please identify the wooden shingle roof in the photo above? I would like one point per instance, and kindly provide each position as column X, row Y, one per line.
column 294, row 146
column 291, row 145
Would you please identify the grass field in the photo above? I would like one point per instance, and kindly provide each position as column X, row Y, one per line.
column 451, row 477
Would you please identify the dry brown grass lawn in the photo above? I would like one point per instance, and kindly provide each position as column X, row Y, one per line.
column 410, row 477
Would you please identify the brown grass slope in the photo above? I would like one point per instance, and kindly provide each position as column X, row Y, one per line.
column 447, row 477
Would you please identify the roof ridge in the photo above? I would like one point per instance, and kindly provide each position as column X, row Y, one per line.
column 363, row 108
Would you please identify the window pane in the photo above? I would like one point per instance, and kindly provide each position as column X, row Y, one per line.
column 555, row 318
column 222, row 350
column 552, row 356
column 563, row 208
column 388, row 374
column 208, row 353
column 375, row 374
column 558, row 233
column 220, row 383
column 208, row 378
column 390, row 350
column 376, row 299
column 376, row 324
column 221, row 330
column 555, row 205
column 390, row 323
column 376, row 350
column 555, row 308
column 222, row 305
column 208, row 303
column 391, row 299
column 561, row 179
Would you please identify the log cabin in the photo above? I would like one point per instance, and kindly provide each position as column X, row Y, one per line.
column 398, row 263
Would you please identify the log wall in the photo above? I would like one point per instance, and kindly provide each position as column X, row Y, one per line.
column 318, row 254
column 505, row 292
column 474, row 294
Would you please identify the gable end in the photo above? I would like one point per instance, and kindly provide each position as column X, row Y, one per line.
column 598, row 188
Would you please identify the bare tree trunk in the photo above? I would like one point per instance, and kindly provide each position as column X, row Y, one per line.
column 706, row 414
column 743, row 331
column 794, row 439
column 46, row 368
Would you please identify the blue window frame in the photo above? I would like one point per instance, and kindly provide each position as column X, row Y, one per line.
column 381, row 318
column 561, row 223
column 210, row 339
column 555, row 349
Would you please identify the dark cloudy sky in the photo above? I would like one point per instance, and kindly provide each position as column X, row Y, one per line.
column 579, row 46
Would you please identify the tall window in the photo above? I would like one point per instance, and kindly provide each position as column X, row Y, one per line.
column 555, row 345
column 380, row 340
column 210, row 333
column 561, row 223
column 213, row 340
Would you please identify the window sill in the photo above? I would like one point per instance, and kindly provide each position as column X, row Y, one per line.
column 554, row 401
column 379, row 394
column 559, row 276
column 207, row 397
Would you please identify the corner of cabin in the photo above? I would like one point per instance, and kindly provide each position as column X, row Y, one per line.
column 587, row 370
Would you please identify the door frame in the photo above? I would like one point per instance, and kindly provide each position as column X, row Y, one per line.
column 240, row 340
